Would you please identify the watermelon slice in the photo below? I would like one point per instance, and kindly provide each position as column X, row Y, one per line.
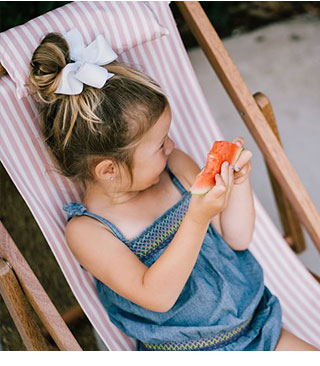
column 221, row 151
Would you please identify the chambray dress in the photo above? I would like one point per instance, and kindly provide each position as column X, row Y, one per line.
column 223, row 306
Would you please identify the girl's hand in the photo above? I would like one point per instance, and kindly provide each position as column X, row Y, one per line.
column 204, row 208
column 242, row 167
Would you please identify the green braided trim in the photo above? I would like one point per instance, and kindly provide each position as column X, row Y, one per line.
column 196, row 345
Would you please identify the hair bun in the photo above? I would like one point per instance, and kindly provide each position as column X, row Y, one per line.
column 50, row 57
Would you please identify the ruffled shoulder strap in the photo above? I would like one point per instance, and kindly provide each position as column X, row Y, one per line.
column 74, row 209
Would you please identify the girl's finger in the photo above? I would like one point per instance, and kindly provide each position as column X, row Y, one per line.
column 231, row 170
column 240, row 179
column 244, row 158
column 240, row 141
column 220, row 181
column 230, row 182
column 243, row 174
column 220, row 188
column 225, row 172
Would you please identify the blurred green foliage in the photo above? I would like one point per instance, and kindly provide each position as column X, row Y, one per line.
column 13, row 13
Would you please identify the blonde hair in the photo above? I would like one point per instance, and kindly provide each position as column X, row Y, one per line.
column 82, row 130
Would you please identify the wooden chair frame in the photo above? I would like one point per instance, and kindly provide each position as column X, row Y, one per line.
column 20, row 290
column 19, row 286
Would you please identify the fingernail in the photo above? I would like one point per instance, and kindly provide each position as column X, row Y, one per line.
column 237, row 168
column 231, row 167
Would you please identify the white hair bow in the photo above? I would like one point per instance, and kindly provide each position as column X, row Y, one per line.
column 87, row 66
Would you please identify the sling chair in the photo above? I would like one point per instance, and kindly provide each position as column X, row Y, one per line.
column 145, row 36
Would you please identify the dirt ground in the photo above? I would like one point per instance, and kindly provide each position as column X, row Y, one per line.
column 20, row 224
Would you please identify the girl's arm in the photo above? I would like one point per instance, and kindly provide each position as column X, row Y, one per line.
column 237, row 220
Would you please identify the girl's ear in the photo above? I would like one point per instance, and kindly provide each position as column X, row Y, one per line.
column 105, row 170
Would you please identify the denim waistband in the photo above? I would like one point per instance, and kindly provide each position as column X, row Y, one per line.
column 203, row 344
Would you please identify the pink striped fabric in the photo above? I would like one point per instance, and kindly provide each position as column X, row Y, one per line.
column 120, row 22
column 193, row 129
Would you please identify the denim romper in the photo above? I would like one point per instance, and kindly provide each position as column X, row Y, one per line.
column 223, row 306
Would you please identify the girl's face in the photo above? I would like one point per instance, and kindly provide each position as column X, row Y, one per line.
column 152, row 154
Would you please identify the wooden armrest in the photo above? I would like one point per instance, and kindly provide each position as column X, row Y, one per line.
column 243, row 100
column 293, row 233
column 36, row 295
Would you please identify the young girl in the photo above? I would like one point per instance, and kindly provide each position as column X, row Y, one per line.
column 172, row 270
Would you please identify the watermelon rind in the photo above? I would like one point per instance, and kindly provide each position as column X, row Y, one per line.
column 198, row 192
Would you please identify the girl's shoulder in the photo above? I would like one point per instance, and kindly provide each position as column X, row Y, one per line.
column 183, row 167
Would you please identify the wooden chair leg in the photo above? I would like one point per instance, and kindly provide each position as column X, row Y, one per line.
column 74, row 313
column 71, row 315
column 20, row 309
column 293, row 233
